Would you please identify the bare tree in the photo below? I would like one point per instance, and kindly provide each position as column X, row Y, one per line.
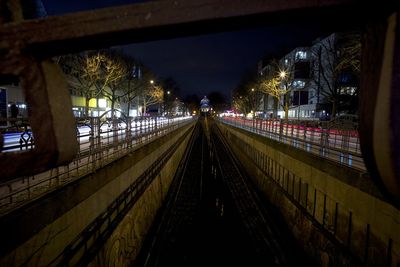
column 83, row 72
column 218, row 101
column 247, row 99
column 270, row 86
column 109, row 73
column 113, row 72
column 246, row 96
column 171, row 92
column 151, row 94
column 239, row 104
column 335, row 56
column 131, row 85
column 278, row 84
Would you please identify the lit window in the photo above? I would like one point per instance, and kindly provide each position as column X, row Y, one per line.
column 298, row 84
column 349, row 90
column 102, row 103
column 301, row 55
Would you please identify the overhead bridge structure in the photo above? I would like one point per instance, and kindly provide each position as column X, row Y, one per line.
column 91, row 194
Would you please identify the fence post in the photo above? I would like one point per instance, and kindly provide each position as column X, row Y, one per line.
column 389, row 252
column 366, row 244
column 349, row 230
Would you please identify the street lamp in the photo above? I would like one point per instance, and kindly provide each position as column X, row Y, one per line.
column 253, row 102
column 166, row 103
column 282, row 76
column 298, row 111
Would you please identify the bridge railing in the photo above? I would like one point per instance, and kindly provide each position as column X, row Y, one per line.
column 101, row 141
column 15, row 134
column 336, row 141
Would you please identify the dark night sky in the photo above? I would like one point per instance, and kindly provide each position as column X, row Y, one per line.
column 204, row 63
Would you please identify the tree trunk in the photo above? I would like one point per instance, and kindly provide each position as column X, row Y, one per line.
column 334, row 104
column 276, row 100
column 129, row 107
column 112, row 106
column 87, row 106
column 129, row 96
column 286, row 112
column 286, row 107
column 144, row 107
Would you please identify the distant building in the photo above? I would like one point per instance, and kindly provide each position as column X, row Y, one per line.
column 296, row 65
column 205, row 105
column 333, row 83
column 11, row 93
column 313, row 79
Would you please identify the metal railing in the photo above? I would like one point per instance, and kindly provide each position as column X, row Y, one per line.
column 335, row 141
column 15, row 135
column 100, row 142
column 327, row 213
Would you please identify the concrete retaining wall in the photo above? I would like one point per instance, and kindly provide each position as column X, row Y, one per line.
column 335, row 212
column 40, row 234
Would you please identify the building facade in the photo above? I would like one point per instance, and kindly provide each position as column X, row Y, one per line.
column 319, row 79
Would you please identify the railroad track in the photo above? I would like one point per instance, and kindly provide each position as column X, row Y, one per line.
column 213, row 214
column 180, row 210
column 256, row 219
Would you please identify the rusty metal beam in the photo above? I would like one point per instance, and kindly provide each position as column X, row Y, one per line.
column 162, row 19
column 379, row 104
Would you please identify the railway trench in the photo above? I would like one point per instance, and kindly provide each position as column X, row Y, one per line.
column 214, row 216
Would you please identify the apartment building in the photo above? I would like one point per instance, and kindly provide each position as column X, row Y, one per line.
column 318, row 80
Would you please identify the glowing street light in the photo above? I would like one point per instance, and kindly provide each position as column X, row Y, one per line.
column 168, row 92
column 282, row 74
column 151, row 81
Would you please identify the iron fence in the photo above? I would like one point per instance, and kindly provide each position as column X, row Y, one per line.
column 339, row 142
column 341, row 225
column 101, row 141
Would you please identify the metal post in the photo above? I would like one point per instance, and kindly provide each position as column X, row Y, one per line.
column 389, row 252
column 324, row 212
column 298, row 112
column 299, row 198
column 366, row 244
column 349, row 229
column 306, row 196
column 315, row 200
column 293, row 182
column 336, row 218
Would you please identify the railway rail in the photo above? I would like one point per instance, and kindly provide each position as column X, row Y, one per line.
column 214, row 216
